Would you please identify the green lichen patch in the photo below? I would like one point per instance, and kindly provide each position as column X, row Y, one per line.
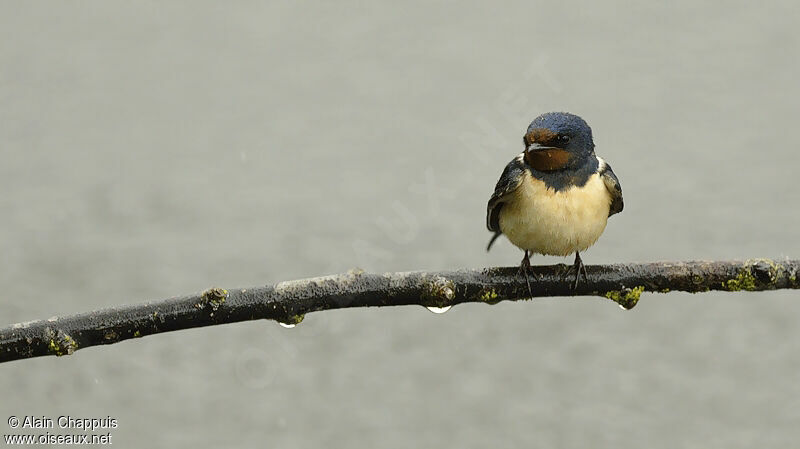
column 627, row 297
column 489, row 296
column 294, row 320
column 214, row 297
column 136, row 334
column 111, row 335
column 62, row 344
column 743, row 281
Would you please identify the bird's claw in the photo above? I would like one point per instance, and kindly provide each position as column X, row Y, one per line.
column 524, row 269
column 578, row 268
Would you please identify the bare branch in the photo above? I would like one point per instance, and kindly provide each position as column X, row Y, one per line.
column 288, row 302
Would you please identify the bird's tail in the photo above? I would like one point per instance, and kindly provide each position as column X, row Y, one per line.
column 491, row 242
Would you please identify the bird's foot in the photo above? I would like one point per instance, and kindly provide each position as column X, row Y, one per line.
column 524, row 269
column 578, row 268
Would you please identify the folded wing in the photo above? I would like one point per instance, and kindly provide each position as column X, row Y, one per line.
column 612, row 184
column 508, row 182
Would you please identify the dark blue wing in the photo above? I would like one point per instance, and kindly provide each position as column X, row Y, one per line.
column 612, row 184
column 508, row 182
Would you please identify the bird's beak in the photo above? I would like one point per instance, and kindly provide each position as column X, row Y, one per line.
column 535, row 147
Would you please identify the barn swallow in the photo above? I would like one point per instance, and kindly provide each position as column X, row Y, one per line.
column 555, row 197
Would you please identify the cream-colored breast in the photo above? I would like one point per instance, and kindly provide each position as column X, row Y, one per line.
column 544, row 221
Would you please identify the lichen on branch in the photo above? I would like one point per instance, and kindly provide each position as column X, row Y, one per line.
column 288, row 302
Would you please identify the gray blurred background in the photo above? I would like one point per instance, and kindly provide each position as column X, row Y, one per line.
column 152, row 149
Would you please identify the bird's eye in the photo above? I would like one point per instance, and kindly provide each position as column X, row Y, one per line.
column 563, row 138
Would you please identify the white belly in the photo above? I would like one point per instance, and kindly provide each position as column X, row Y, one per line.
column 544, row 221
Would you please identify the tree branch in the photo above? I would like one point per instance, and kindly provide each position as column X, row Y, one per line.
column 288, row 302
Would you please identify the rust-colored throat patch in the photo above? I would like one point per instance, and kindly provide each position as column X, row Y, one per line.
column 551, row 159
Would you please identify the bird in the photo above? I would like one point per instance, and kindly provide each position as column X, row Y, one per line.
column 556, row 196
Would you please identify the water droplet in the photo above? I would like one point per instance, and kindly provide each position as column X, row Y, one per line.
column 439, row 310
column 293, row 321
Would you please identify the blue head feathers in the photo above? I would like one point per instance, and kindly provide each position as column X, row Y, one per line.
column 564, row 123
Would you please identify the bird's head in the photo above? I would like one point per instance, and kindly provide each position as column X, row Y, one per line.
column 558, row 141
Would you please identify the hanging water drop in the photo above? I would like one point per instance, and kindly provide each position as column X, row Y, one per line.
column 439, row 310
column 439, row 290
column 292, row 321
